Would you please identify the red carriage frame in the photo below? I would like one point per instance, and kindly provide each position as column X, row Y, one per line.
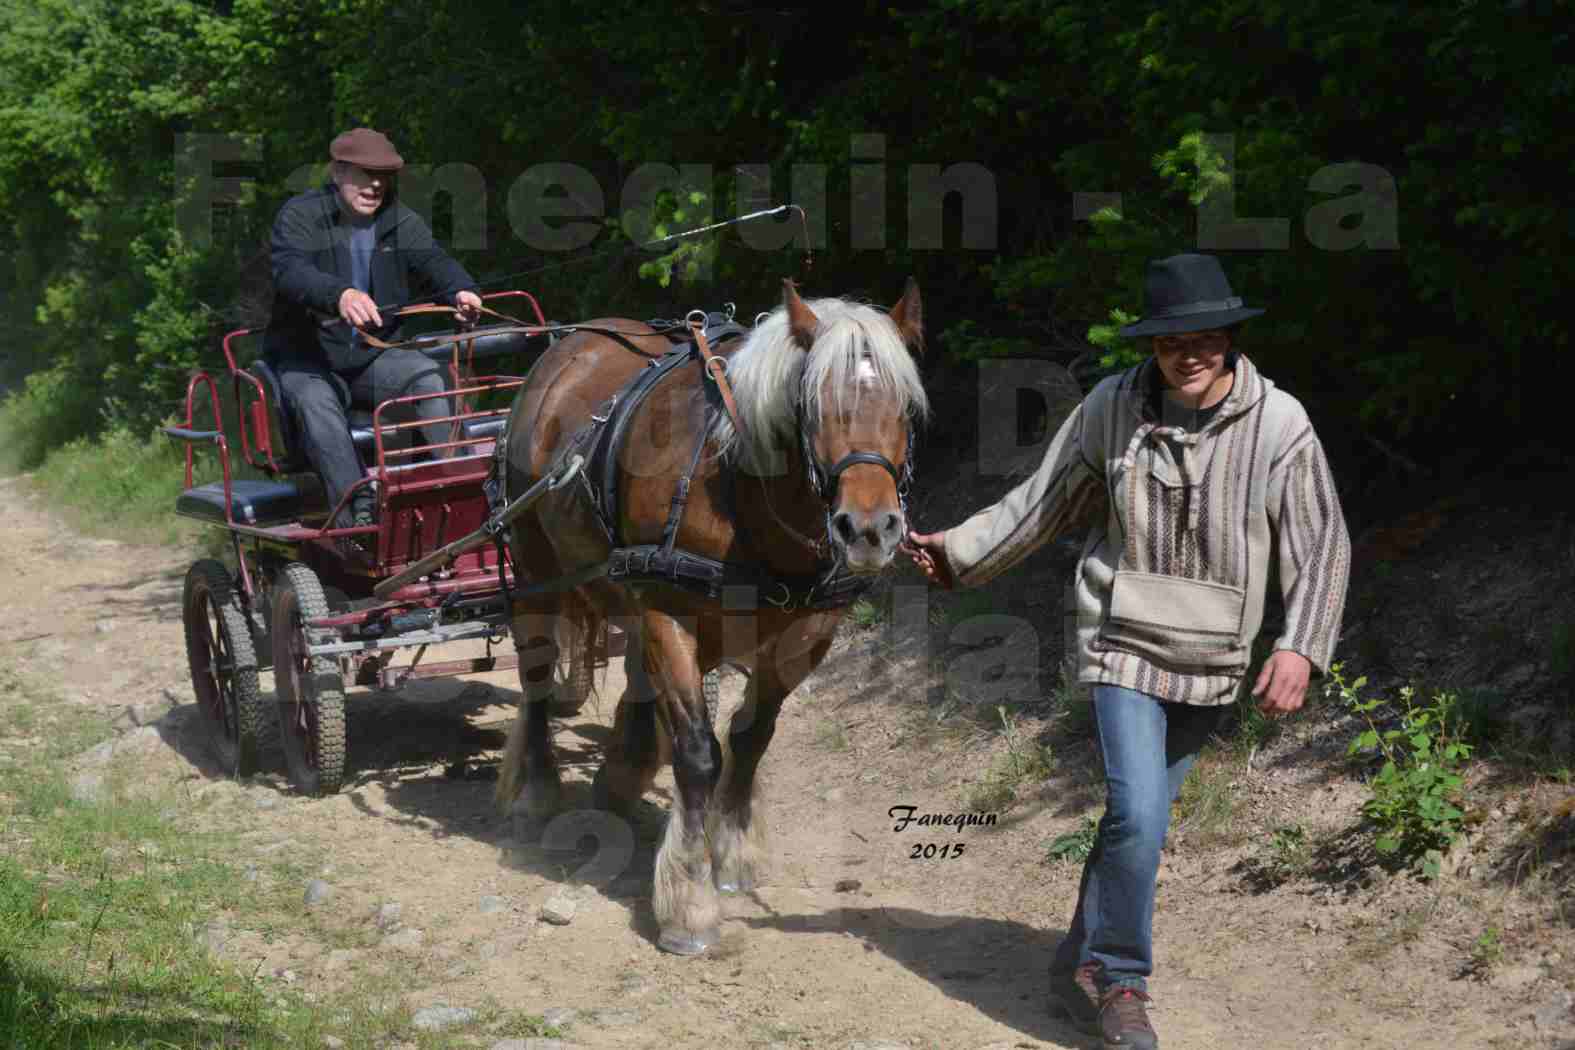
column 319, row 610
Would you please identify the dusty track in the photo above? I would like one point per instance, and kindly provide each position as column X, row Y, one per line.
column 923, row 953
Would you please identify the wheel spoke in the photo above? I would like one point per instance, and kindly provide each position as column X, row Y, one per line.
column 212, row 654
column 224, row 676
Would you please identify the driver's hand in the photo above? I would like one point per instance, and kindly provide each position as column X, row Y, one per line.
column 357, row 308
column 469, row 304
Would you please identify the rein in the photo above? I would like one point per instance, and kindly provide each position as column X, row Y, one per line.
column 514, row 326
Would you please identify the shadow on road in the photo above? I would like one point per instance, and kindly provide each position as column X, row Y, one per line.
column 996, row 966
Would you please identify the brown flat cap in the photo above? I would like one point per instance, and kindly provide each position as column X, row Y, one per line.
column 366, row 148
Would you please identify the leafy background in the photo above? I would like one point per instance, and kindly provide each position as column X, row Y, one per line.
column 1408, row 351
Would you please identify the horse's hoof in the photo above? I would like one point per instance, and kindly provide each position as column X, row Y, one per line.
column 683, row 942
column 733, row 887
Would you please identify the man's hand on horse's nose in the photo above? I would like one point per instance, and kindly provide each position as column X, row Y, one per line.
column 928, row 551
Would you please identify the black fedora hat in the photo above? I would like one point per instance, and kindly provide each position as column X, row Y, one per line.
column 1187, row 293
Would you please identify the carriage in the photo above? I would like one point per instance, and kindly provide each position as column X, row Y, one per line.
column 703, row 507
column 323, row 605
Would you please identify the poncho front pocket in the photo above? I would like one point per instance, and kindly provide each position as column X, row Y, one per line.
column 1176, row 622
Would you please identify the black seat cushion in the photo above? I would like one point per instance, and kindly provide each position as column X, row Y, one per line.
column 251, row 502
column 492, row 343
column 360, row 420
column 489, row 426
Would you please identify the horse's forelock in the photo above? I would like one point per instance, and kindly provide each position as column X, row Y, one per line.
column 770, row 370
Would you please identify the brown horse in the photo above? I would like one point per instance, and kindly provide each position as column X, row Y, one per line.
column 788, row 515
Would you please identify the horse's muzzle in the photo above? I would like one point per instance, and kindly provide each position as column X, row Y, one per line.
column 868, row 539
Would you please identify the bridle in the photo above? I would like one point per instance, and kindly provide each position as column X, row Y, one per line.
column 826, row 481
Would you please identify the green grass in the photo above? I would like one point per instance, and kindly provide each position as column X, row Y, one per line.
column 1486, row 955
column 1206, row 810
column 1074, row 846
column 123, row 487
column 832, row 735
column 1025, row 764
column 1071, row 706
column 101, row 904
column 1251, row 730
column 117, row 484
column 866, row 614
column 1290, row 851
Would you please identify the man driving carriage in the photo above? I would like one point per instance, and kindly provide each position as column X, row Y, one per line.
column 336, row 252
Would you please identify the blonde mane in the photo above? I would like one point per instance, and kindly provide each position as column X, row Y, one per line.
column 858, row 353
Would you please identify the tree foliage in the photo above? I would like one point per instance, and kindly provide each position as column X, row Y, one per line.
column 1412, row 155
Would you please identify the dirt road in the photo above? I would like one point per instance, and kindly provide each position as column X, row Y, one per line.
column 917, row 952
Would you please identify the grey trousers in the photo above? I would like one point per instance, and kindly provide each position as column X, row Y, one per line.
column 314, row 399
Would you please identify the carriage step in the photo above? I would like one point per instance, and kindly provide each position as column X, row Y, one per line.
column 251, row 502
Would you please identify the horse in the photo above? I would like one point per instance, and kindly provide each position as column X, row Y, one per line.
column 775, row 507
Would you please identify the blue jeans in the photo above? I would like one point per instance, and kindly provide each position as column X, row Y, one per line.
column 1148, row 746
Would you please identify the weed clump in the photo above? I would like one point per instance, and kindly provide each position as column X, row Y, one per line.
column 1414, row 805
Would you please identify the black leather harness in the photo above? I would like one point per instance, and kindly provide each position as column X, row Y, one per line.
column 602, row 444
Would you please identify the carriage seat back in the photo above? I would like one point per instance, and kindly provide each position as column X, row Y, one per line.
column 288, row 448
column 286, row 443
column 494, row 344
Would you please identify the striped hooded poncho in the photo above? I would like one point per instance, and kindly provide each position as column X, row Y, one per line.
column 1169, row 590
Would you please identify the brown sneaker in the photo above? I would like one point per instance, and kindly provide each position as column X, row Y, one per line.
column 1123, row 1020
column 1075, row 996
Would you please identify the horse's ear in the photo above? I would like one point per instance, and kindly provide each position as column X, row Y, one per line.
column 802, row 321
column 908, row 316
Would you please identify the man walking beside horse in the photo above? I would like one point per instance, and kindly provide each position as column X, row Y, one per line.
column 1184, row 470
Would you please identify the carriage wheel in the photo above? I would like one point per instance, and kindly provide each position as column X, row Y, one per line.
column 311, row 690
column 571, row 684
column 223, row 667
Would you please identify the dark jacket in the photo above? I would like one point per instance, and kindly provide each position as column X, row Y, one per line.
column 311, row 269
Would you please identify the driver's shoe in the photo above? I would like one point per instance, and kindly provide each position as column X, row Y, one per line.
column 363, row 509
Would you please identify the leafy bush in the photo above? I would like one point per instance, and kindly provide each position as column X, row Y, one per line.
column 53, row 406
column 1415, row 794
